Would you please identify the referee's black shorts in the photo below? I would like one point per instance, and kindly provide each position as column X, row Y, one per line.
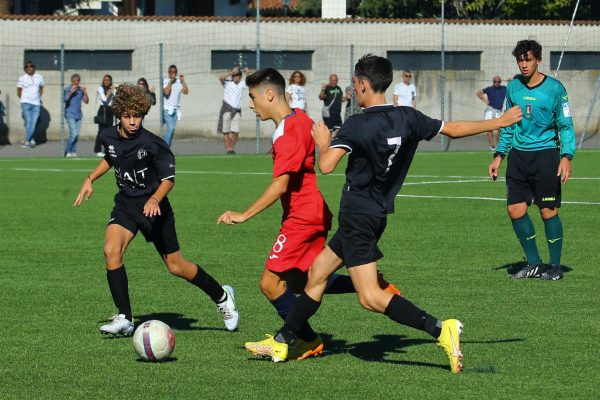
column 356, row 239
column 160, row 229
column 531, row 177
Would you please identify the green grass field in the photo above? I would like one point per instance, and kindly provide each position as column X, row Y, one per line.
column 523, row 339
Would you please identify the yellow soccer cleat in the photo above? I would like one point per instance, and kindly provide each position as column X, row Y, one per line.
column 268, row 348
column 301, row 350
column 449, row 340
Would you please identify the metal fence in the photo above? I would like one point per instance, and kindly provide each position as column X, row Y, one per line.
column 451, row 92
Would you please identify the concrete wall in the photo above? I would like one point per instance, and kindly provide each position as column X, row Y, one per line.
column 188, row 44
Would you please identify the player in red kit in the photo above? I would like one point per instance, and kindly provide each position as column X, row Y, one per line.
column 306, row 218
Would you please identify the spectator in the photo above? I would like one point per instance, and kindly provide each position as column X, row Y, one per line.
column 295, row 94
column 231, row 109
column 30, row 89
column 405, row 93
column 104, row 117
column 173, row 86
column 493, row 96
column 150, row 91
column 73, row 95
column 332, row 96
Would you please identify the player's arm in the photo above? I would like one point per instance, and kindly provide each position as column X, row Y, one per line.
column 566, row 133
column 329, row 157
column 272, row 193
column 395, row 99
column 152, row 206
column 459, row 129
column 322, row 93
column 86, row 188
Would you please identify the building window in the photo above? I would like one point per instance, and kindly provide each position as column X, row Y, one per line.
column 431, row 60
column 98, row 60
column 283, row 59
column 575, row 60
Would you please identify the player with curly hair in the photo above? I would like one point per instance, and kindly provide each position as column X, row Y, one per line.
column 145, row 173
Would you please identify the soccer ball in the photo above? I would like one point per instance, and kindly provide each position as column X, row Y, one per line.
column 154, row 340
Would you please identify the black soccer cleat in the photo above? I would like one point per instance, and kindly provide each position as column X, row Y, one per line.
column 529, row 271
column 553, row 273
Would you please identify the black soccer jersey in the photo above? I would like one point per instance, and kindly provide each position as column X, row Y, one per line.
column 141, row 161
column 382, row 142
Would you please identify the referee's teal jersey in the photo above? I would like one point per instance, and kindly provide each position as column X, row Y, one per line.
column 547, row 121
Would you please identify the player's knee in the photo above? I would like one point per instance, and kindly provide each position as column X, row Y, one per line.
column 368, row 301
column 112, row 253
column 175, row 268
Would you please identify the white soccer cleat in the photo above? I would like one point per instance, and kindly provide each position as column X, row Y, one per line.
column 231, row 317
column 118, row 325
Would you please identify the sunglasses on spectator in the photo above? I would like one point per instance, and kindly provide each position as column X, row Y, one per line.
column 408, row 76
column 497, row 81
column 30, row 66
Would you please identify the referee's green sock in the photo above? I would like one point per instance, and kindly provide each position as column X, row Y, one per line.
column 554, row 237
column 525, row 232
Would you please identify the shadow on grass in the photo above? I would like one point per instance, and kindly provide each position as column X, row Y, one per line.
column 178, row 322
column 513, row 268
column 166, row 360
column 378, row 349
column 383, row 345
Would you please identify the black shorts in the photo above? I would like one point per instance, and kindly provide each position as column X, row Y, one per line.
column 160, row 229
column 356, row 239
column 333, row 122
column 531, row 177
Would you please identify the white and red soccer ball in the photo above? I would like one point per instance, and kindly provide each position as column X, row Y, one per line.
column 154, row 340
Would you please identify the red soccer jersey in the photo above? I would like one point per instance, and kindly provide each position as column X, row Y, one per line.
column 294, row 154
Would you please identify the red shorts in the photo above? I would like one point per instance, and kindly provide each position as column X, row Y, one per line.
column 295, row 248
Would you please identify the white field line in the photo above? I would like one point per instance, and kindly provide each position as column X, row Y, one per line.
column 416, row 196
column 458, row 178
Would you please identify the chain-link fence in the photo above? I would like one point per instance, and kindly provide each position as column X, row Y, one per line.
column 201, row 58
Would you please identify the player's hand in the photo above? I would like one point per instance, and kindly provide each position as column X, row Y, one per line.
column 231, row 218
column 85, row 192
column 321, row 134
column 494, row 167
column 152, row 207
column 511, row 116
column 323, row 86
column 181, row 78
column 564, row 169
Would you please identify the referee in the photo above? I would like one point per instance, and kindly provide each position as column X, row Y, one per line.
column 539, row 152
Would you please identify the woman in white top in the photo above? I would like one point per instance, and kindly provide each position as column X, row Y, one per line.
column 104, row 116
column 295, row 94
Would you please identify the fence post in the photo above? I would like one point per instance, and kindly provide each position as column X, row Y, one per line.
column 62, row 99
column 443, row 80
column 352, row 98
column 160, row 86
column 257, row 129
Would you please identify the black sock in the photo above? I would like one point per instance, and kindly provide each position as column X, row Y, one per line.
column 117, row 282
column 284, row 304
column 297, row 319
column 209, row 285
column 406, row 313
column 339, row 284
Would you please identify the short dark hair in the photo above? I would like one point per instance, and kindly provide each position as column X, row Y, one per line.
column 172, row 66
column 377, row 70
column 267, row 76
column 524, row 46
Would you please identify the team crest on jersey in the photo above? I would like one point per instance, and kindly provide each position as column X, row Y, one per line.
column 111, row 151
column 141, row 154
column 528, row 109
column 566, row 110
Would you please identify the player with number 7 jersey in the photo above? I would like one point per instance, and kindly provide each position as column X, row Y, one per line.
column 306, row 217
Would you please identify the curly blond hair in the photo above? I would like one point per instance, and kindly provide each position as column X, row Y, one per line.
column 131, row 99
